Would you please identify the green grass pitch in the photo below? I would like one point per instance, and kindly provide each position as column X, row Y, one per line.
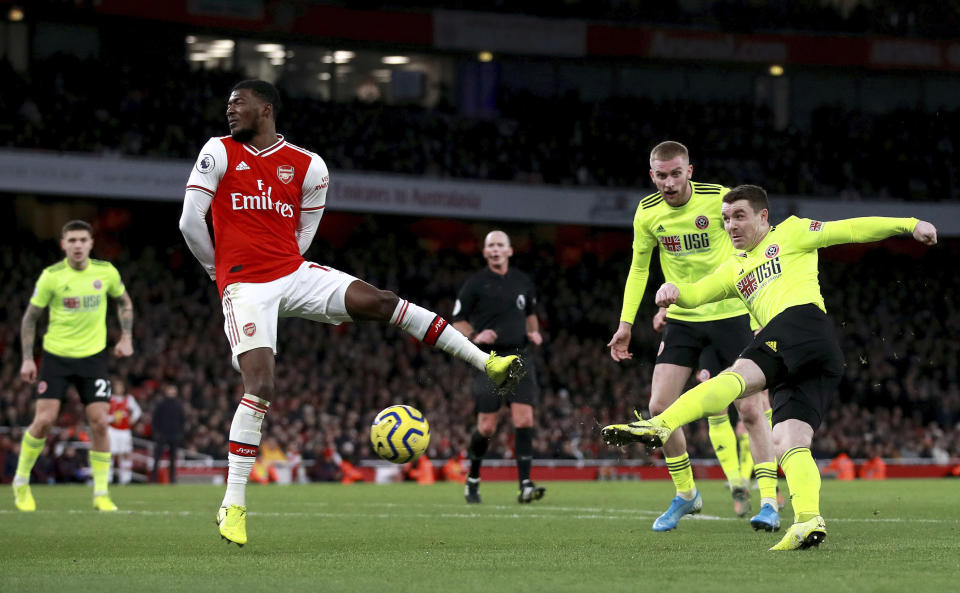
column 896, row 535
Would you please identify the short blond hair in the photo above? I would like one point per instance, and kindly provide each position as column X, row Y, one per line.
column 668, row 150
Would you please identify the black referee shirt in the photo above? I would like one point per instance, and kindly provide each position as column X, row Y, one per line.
column 501, row 303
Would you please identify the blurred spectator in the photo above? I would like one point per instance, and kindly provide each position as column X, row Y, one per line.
column 169, row 421
column 71, row 467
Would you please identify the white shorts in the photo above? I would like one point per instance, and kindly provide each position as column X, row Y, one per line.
column 251, row 309
column 121, row 441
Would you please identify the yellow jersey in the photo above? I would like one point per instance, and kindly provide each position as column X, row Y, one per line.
column 78, row 306
column 692, row 244
column 781, row 271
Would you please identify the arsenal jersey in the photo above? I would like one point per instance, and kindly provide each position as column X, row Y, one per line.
column 257, row 198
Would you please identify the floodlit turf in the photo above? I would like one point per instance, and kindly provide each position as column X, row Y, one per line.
column 584, row 536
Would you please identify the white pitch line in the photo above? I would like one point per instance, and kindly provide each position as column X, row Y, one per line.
column 566, row 513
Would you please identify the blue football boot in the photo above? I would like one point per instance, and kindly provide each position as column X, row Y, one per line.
column 678, row 508
column 768, row 519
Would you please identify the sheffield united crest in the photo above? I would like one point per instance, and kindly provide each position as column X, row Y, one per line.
column 702, row 222
column 285, row 173
column 772, row 251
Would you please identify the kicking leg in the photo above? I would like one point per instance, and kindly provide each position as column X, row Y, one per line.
column 364, row 301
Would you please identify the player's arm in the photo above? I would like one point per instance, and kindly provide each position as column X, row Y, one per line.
column 28, row 334
column 632, row 295
column 201, row 187
column 193, row 225
column 866, row 229
column 124, row 347
column 135, row 410
column 312, row 202
column 709, row 289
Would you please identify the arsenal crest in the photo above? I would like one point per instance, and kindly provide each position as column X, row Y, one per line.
column 772, row 251
column 702, row 222
column 250, row 329
column 285, row 173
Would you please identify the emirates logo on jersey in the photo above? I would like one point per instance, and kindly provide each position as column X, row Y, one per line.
column 285, row 173
column 250, row 329
column 702, row 222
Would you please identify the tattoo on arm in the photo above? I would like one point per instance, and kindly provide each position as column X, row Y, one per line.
column 125, row 314
column 28, row 330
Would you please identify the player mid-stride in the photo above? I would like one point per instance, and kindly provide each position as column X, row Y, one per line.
column 773, row 270
column 267, row 197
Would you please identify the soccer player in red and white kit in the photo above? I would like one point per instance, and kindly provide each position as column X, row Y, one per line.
column 124, row 413
column 267, row 197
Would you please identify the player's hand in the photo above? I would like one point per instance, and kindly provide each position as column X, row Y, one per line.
column 925, row 232
column 124, row 347
column 28, row 371
column 620, row 343
column 535, row 338
column 667, row 295
column 487, row 336
column 660, row 319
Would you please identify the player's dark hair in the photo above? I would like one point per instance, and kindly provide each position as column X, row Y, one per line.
column 76, row 225
column 668, row 150
column 756, row 195
column 263, row 90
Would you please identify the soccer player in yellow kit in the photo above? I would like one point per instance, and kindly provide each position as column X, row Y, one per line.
column 774, row 272
column 74, row 351
column 683, row 220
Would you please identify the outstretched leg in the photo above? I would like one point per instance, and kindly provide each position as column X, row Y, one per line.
column 364, row 301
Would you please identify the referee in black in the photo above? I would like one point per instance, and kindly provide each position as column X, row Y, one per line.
column 495, row 309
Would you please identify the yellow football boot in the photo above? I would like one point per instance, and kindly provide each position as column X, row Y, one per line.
column 649, row 432
column 804, row 535
column 103, row 503
column 23, row 498
column 232, row 521
column 504, row 371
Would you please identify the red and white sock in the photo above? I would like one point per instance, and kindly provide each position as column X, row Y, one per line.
column 432, row 330
column 244, row 445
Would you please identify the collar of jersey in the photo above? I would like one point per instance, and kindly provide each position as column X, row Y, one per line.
column 268, row 150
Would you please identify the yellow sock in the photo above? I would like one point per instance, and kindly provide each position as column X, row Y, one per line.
column 30, row 449
column 709, row 397
column 100, row 464
column 681, row 472
column 724, row 443
column 803, row 479
column 746, row 457
column 767, row 479
column 769, row 414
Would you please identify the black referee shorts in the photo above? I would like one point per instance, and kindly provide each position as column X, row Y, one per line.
column 720, row 342
column 801, row 360
column 527, row 390
column 89, row 375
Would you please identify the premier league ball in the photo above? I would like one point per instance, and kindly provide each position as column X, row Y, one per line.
column 400, row 434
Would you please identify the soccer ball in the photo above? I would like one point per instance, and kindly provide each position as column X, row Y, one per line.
column 400, row 434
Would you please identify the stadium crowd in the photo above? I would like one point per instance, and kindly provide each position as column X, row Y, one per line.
column 559, row 140
column 897, row 321
column 879, row 17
